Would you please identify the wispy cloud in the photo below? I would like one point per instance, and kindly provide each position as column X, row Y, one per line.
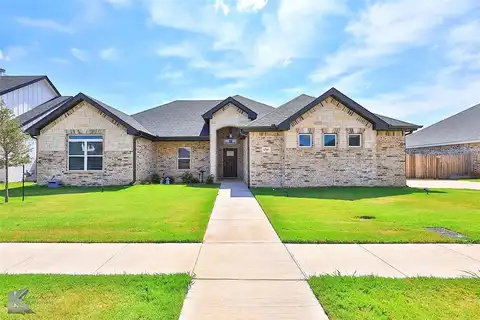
column 3, row 56
column 180, row 50
column 45, row 24
column 109, row 54
column 80, row 54
column 384, row 29
column 172, row 76
column 221, row 6
column 251, row 5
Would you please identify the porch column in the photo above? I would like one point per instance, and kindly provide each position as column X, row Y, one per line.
column 213, row 151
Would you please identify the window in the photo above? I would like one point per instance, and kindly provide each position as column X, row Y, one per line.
column 330, row 140
column 183, row 155
column 85, row 153
column 304, row 139
column 355, row 140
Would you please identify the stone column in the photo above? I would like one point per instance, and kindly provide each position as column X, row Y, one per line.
column 213, row 151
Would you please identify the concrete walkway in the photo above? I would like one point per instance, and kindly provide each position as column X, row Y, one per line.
column 243, row 271
column 445, row 184
column 98, row 258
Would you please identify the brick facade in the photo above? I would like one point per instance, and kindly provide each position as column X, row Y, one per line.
column 146, row 159
column 264, row 158
column 85, row 120
column 277, row 160
column 166, row 158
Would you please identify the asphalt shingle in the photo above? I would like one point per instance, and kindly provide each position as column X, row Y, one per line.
column 42, row 109
column 461, row 127
column 183, row 118
column 10, row 83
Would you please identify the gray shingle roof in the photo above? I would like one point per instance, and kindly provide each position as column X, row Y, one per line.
column 283, row 112
column 132, row 125
column 183, row 118
column 395, row 122
column 123, row 116
column 41, row 109
column 11, row 83
column 295, row 106
column 461, row 127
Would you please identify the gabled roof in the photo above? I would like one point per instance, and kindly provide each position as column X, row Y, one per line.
column 133, row 127
column 281, row 113
column 463, row 127
column 42, row 109
column 252, row 115
column 11, row 83
column 283, row 116
column 183, row 118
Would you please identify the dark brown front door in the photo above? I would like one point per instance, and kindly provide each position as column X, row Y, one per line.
column 230, row 163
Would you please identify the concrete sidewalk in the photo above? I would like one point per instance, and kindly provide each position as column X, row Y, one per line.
column 388, row 260
column 98, row 258
column 243, row 270
column 445, row 184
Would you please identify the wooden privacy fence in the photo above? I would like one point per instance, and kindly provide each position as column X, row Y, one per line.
column 431, row 166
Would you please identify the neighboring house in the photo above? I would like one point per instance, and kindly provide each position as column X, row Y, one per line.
column 326, row 141
column 459, row 133
column 23, row 94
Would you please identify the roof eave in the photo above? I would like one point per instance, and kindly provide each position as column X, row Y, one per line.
column 377, row 123
column 252, row 115
column 31, row 82
column 34, row 130
column 261, row 128
column 184, row 138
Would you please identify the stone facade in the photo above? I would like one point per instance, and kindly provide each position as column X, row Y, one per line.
column 264, row 158
column 453, row 149
column 222, row 134
column 84, row 119
column 277, row 160
column 229, row 116
column 166, row 158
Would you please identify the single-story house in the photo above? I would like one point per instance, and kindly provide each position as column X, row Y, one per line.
column 328, row 140
column 457, row 134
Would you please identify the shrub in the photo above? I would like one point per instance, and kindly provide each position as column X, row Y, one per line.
column 187, row 177
column 210, row 178
column 155, row 178
column 194, row 180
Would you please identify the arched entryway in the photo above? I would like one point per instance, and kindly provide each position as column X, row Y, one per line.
column 231, row 153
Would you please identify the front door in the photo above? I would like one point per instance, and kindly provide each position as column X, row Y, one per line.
column 230, row 163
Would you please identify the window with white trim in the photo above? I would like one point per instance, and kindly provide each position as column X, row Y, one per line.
column 85, row 153
column 329, row 139
column 355, row 140
column 183, row 158
column 304, row 140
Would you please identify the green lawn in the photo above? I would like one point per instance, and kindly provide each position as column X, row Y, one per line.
column 371, row 298
column 141, row 213
column 98, row 297
column 330, row 215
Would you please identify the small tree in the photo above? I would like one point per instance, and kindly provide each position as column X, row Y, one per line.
column 14, row 146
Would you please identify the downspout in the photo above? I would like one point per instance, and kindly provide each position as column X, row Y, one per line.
column 36, row 157
column 134, row 160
